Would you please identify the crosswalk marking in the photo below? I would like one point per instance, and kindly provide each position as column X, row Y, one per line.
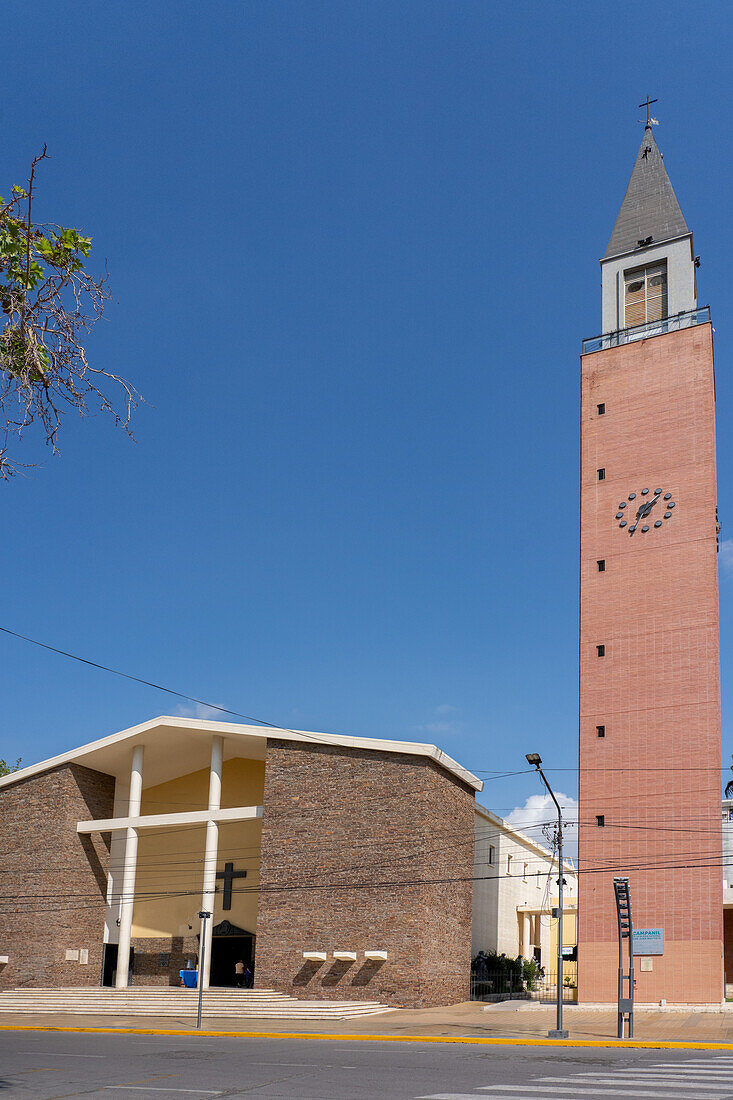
column 702, row 1078
column 533, row 1091
column 565, row 1089
column 640, row 1075
column 627, row 1078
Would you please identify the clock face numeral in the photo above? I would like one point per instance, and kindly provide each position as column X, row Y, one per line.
column 639, row 515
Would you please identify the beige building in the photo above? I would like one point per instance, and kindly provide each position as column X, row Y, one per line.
column 515, row 891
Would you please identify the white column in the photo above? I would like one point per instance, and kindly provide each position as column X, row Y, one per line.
column 129, row 870
column 525, row 949
column 210, row 858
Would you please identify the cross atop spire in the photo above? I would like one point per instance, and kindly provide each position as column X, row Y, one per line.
column 648, row 104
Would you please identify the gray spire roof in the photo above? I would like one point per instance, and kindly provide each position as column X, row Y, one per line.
column 650, row 207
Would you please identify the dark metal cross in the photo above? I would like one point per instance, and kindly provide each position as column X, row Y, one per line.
column 648, row 104
column 229, row 874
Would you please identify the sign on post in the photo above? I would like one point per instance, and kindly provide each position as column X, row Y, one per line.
column 648, row 941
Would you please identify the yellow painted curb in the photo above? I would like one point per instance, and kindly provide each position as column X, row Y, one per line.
column 530, row 1041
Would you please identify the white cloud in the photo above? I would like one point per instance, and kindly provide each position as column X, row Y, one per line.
column 444, row 721
column 201, row 710
column 726, row 556
column 539, row 810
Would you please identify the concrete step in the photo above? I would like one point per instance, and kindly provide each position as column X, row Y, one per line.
column 151, row 1001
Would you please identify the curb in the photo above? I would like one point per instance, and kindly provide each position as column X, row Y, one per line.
column 530, row 1041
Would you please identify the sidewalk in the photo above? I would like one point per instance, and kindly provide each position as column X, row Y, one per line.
column 513, row 1021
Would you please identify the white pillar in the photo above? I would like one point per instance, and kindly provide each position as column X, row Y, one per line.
column 210, row 858
column 525, row 949
column 129, row 870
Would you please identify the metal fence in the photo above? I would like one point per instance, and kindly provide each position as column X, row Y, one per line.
column 495, row 987
column 652, row 328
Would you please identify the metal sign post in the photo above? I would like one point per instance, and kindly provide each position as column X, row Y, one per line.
column 625, row 932
column 204, row 915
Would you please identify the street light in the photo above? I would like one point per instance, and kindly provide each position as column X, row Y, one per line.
column 204, row 916
column 535, row 759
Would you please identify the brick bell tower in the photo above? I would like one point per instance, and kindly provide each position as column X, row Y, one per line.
column 650, row 798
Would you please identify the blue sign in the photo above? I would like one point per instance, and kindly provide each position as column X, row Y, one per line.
column 648, row 941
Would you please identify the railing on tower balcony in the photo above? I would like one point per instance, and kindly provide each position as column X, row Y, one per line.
column 678, row 321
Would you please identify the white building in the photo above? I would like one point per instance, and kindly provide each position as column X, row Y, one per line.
column 514, row 892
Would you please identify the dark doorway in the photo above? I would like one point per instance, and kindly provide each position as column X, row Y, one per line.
column 226, row 951
column 109, row 963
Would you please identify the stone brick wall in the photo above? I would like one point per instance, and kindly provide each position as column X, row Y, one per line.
column 655, row 776
column 159, row 960
column 55, row 880
column 364, row 850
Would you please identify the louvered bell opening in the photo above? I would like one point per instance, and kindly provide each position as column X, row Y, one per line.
column 645, row 294
column 656, row 294
column 635, row 300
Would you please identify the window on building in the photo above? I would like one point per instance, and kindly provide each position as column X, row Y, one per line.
column 600, row 820
column 601, row 409
column 492, row 855
column 645, row 294
column 601, row 563
column 538, row 880
column 600, row 651
column 601, row 731
column 524, row 876
column 508, row 865
column 602, row 474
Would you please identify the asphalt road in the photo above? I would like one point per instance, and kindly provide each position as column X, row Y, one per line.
column 52, row 1066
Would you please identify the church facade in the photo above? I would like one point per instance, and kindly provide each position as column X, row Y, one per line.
column 649, row 799
column 332, row 867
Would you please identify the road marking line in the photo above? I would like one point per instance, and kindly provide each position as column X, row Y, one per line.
column 147, row 1088
column 629, row 1079
column 55, row 1054
column 718, row 1083
column 528, row 1040
column 722, row 1063
column 566, row 1090
column 669, row 1075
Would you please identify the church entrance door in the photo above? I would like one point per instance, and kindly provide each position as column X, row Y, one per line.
column 229, row 944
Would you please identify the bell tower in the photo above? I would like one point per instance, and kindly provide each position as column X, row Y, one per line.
column 649, row 799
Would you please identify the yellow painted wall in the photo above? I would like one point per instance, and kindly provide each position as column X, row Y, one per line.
column 569, row 938
column 170, row 861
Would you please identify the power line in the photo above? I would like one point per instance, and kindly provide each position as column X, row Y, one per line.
column 159, row 687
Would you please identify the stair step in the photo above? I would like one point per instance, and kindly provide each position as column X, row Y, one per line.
column 166, row 1001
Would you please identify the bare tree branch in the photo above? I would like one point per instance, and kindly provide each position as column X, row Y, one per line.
column 48, row 303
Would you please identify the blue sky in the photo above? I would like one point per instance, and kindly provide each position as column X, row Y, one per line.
column 353, row 249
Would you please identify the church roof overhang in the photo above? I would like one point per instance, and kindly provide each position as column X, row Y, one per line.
column 649, row 250
column 175, row 746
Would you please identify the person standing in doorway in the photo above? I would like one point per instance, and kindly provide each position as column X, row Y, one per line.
column 239, row 973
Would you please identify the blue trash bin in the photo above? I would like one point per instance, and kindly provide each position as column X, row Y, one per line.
column 190, row 978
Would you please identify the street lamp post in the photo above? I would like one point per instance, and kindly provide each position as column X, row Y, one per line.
column 204, row 915
column 535, row 759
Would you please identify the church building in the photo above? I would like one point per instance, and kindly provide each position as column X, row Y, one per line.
column 333, row 867
column 649, row 651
